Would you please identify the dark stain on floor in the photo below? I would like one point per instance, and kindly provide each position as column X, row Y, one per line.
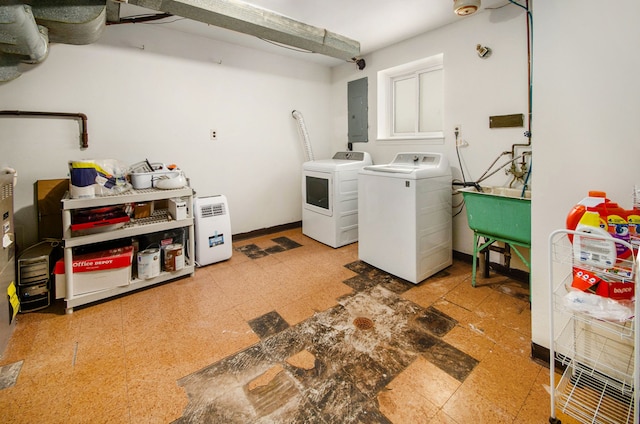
column 369, row 275
column 451, row 360
column 359, row 283
column 436, row 322
column 326, row 369
column 286, row 243
column 282, row 244
column 252, row 251
column 268, row 324
column 511, row 287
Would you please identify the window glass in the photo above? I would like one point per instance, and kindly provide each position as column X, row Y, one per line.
column 431, row 101
column 411, row 101
column 404, row 106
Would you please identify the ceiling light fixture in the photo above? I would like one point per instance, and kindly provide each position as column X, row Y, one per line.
column 465, row 7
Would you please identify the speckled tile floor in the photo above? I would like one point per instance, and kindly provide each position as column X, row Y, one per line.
column 269, row 336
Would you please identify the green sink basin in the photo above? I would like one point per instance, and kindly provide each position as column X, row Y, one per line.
column 500, row 212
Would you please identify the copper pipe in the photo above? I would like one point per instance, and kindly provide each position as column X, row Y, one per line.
column 81, row 116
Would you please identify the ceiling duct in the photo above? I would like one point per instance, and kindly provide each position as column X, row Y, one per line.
column 71, row 22
column 27, row 29
column 245, row 18
column 20, row 38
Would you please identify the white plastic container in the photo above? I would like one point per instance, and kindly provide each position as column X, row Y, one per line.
column 142, row 180
column 590, row 251
column 178, row 208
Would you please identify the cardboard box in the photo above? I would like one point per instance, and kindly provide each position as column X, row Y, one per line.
column 49, row 193
column 96, row 271
column 143, row 210
column 616, row 290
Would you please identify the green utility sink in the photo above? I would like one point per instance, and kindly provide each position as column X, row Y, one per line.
column 500, row 212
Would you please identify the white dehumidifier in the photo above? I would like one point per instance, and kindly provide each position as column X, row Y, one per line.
column 213, row 229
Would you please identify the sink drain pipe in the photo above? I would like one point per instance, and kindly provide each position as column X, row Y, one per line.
column 81, row 116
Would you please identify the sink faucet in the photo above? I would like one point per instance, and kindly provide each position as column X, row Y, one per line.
column 518, row 174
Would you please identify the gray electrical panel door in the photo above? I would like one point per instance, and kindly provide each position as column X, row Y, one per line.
column 358, row 107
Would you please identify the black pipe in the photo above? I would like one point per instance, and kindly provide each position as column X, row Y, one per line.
column 81, row 116
column 141, row 19
column 468, row 184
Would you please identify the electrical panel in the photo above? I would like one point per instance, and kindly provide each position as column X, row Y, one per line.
column 357, row 105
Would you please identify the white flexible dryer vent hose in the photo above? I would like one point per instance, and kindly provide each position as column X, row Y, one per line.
column 302, row 128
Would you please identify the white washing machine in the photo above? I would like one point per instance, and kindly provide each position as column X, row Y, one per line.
column 405, row 222
column 330, row 198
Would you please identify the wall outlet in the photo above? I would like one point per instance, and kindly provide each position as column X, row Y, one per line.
column 213, row 134
column 457, row 129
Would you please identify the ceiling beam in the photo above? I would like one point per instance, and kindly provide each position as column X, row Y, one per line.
column 113, row 12
column 248, row 19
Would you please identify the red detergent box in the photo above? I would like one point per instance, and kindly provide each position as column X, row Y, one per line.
column 590, row 282
column 585, row 280
column 616, row 290
column 96, row 271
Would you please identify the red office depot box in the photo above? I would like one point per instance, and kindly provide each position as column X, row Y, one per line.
column 96, row 271
column 98, row 220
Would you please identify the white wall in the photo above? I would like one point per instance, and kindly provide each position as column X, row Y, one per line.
column 155, row 93
column 586, row 104
column 160, row 102
column 475, row 89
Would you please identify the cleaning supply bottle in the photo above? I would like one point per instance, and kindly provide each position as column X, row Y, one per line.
column 633, row 221
column 591, row 251
column 613, row 218
column 618, row 227
column 593, row 200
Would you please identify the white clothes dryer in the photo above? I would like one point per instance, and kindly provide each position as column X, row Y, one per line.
column 405, row 222
column 330, row 198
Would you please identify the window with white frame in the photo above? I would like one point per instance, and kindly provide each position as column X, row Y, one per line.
column 411, row 101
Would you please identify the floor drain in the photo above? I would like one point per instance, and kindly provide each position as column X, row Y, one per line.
column 363, row 323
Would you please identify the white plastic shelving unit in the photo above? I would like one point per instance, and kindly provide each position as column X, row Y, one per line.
column 159, row 221
column 593, row 338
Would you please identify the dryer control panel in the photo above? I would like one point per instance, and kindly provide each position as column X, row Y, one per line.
column 417, row 159
column 349, row 156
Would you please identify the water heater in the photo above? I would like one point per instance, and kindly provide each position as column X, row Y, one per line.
column 212, row 229
column 9, row 302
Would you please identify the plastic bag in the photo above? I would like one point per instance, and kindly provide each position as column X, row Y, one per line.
column 90, row 178
column 598, row 307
